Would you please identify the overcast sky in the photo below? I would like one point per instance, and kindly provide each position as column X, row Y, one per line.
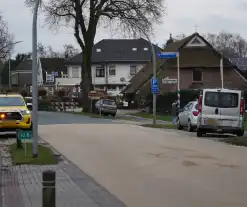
column 181, row 17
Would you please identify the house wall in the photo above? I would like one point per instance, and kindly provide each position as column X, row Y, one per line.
column 211, row 79
column 122, row 72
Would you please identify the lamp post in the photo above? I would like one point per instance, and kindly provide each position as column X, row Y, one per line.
column 14, row 43
column 34, row 81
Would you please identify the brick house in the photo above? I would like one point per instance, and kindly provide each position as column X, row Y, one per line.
column 199, row 68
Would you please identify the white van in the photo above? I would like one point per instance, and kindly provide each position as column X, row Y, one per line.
column 221, row 111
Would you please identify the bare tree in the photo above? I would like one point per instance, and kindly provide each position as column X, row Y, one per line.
column 229, row 44
column 70, row 51
column 6, row 40
column 133, row 16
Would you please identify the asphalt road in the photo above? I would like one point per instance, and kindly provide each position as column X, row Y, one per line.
column 150, row 167
column 48, row 118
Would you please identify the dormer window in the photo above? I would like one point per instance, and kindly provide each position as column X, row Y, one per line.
column 98, row 50
column 145, row 49
column 134, row 49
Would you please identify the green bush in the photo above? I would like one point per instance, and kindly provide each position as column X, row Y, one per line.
column 164, row 102
column 42, row 92
column 24, row 93
column 45, row 105
column 60, row 93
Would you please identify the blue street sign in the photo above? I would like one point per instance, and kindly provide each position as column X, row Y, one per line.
column 155, row 86
column 168, row 55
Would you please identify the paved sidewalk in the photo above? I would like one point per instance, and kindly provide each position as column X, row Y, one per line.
column 22, row 187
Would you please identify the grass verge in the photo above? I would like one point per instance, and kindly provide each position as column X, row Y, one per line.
column 150, row 116
column 238, row 141
column 45, row 155
column 161, row 126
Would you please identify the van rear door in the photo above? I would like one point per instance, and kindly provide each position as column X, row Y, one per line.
column 230, row 108
column 211, row 107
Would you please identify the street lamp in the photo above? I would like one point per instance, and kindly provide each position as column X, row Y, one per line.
column 14, row 43
column 34, row 81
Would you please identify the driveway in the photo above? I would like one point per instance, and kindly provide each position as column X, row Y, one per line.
column 149, row 167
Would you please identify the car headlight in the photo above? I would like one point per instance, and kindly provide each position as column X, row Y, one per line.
column 25, row 112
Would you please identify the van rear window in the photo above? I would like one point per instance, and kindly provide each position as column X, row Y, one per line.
column 221, row 99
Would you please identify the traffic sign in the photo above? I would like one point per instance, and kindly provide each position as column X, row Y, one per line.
column 168, row 80
column 168, row 55
column 23, row 134
column 155, row 86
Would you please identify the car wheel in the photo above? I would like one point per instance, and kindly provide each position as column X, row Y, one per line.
column 179, row 126
column 190, row 128
column 240, row 133
column 199, row 133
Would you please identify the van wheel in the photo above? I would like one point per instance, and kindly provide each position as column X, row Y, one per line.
column 199, row 133
column 240, row 133
column 190, row 128
column 179, row 126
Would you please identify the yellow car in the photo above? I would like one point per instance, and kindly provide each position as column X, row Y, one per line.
column 14, row 113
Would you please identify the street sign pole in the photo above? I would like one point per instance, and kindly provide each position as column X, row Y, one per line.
column 34, row 81
column 154, row 77
column 178, row 83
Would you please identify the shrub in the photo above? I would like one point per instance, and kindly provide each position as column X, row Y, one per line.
column 42, row 92
column 61, row 93
column 24, row 93
column 44, row 104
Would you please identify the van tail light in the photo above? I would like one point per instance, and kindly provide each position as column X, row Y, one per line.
column 242, row 106
column 200, row 104
column 195, row 113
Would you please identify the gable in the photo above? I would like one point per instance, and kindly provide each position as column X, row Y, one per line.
column 196, row 42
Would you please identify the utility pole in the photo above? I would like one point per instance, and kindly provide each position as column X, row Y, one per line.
column 34, row 81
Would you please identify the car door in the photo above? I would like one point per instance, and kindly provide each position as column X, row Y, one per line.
column 230, row 108
column 184, row 114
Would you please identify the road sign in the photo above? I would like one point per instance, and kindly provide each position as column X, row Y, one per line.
column 23, row 134
column 155, row 86
column 168, row 80
column 168, row 55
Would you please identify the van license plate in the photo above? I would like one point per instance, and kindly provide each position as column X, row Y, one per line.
column 211, row 122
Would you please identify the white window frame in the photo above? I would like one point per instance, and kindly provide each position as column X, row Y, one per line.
column 99, row 68
column 112, row 68
column 75, row 72
column 131, row 72
column 49, row 78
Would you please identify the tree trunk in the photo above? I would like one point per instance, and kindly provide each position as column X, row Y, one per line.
column 86, row 78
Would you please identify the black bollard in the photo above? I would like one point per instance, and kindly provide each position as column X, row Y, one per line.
column 49, row 188
column 18, row 141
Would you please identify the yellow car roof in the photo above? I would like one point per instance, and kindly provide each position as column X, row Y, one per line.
column 10, row 95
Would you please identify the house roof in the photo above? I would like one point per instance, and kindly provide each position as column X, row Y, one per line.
column 176, row 46
column 118, row 50
column 48, row 64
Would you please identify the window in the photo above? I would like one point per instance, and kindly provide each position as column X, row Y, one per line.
column 121, row 87
column 134, row 49
column 75, row 72
column 145, row 49
column 100, row 71
column 12, row 101
column 108, row 102
column 49, row 78
column 221, row 99
column 133, row 70
column 112, row 70
column 197, row 75
column 112, row 87
column 98, row 50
